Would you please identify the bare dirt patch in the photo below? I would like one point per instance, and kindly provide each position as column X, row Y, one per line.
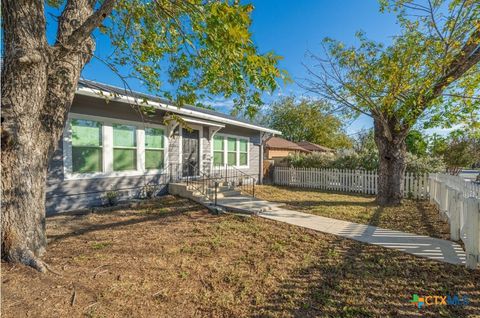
column 412, row 216
column 173, row 259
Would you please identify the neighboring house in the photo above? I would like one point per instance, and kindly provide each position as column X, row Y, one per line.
column 279, row 148
column 310, row 146
column 110, row 145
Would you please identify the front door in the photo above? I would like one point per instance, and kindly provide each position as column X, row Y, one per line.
column 190, row 152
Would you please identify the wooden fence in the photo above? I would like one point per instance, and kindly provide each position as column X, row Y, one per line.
column 355, row 181
column 459, row 202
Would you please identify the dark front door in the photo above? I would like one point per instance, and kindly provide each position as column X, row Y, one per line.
column 190, row 152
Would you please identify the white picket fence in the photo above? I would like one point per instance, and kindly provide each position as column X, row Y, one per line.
column 355, row 181
column 459, row 202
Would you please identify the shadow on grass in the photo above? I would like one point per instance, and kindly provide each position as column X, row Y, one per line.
column 428, row 223
column 139, row 216
column 309, row 204
column 352, row 279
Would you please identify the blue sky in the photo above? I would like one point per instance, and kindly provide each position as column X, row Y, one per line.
column 288, row 28
column 291, row 27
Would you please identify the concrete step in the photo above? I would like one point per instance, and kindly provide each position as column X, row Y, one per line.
column 212, row 189
column 220, row 195
column 247, row 204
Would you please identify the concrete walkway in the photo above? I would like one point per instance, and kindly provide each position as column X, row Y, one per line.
column 418, row 245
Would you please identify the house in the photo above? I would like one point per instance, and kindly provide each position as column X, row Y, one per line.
column 310, row 146
column 279, row 148
column 109, row 145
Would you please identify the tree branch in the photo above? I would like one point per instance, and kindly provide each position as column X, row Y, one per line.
column 468, row 56
column 81, row 33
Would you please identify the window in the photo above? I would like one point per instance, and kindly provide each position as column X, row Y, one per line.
column 243, row 157
column 86, row 146
column 98, row 147
column 232, row 151
column 154, row 148
column 124, row 147
column 218, row 145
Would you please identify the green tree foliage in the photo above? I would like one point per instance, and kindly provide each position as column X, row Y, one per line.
column 185, row 50
column 189, row 50
column 364, row 156
column 437, row 145
column 460, row 149
column 307, row 120
column 429, row 74
column 363, row 161
column 416, row 143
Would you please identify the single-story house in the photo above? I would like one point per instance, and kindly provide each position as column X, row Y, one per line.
column 108, row 144
column 279, row 148
column 310, row 146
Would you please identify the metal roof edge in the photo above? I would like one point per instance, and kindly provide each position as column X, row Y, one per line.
column 174, row 109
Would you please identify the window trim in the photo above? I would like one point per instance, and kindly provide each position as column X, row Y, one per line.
column 225, row 151
column 107, row 149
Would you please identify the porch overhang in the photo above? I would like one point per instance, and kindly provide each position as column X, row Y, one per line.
column 213, row 126
column 204, row 122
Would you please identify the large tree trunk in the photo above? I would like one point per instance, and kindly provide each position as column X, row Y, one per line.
column 391, row 172
column 38, row 86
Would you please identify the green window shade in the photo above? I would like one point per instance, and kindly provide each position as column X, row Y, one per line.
column 243, row 159
column 232, row 151
column 86, row 133
column 86, row 159
column 154, row 145
column 124, row 136
column 232, row 144
column 218, row 158
column 153, row 159
column 153, row 138
column 243, row 152
column 124, row 147
column 86, row 146
column 232, row 159
column 243, row 145
column 124, row 159
column 218, row 143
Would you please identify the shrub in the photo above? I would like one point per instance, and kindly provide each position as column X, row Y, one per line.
column 418, row 164
column 112, row 196
column 149, row 190
column 362, row 161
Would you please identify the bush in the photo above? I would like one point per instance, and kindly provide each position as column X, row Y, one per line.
column 313, row 160
column 362, row 161
column 112, row 196
column 418, row 164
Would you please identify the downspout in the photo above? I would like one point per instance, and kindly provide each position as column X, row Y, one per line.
column 260, row 159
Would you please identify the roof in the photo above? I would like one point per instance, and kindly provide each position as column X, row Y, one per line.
column 92, row 88
column 280, row 143
column 313, row 147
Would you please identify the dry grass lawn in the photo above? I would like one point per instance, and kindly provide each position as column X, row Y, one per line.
column 412, row 216
column 173, row 259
